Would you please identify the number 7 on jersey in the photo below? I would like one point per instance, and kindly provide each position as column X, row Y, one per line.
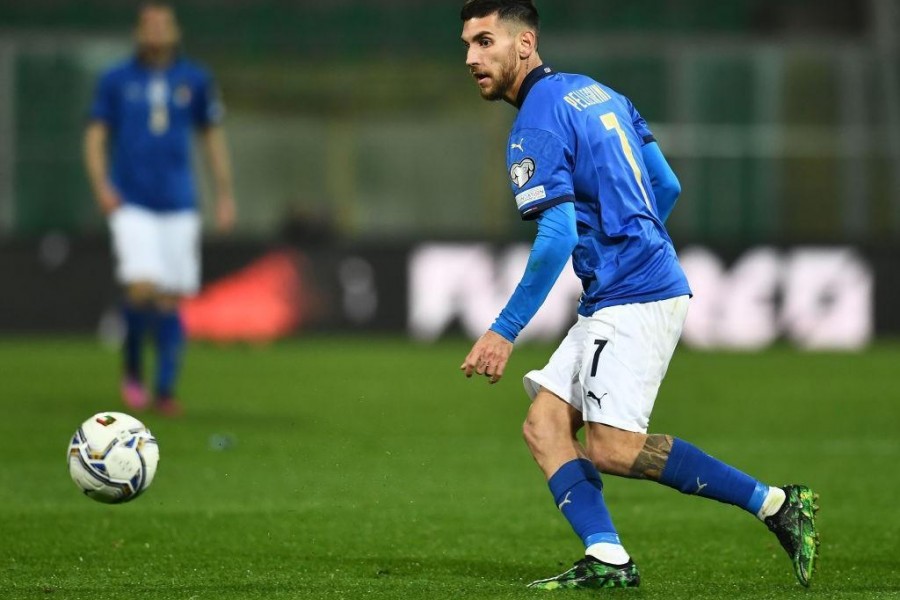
column 611, row 122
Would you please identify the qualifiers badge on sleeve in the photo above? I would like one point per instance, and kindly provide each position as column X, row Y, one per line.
column 522, row 171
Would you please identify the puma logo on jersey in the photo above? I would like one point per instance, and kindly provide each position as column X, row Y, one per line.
column 522, row 171
column 591, row 394
column 518, row 146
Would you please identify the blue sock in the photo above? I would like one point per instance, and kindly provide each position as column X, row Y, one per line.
column 169, row 346
column 578, row 492
column 692, row 471
column 137, row 320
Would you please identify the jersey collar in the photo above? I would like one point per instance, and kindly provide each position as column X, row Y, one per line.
column 535, row 75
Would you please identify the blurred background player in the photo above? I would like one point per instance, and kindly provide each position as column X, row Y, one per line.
column 138, row 157
column 586, row 167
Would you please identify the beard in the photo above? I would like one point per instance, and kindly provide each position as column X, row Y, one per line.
column 504, row 80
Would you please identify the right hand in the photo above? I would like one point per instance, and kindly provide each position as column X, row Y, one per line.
column 488, row 357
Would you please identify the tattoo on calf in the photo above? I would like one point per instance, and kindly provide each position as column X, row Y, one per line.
column 651, row 460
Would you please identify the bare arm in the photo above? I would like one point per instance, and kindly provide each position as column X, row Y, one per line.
column 95, row 162
column 215, row 148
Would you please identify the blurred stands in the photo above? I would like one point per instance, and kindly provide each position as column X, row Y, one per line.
column 776, row 114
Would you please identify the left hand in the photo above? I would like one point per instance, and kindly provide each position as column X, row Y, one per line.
column 226, row 213
column 488, row 356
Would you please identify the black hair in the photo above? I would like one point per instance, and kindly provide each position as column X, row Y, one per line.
column 511, row 10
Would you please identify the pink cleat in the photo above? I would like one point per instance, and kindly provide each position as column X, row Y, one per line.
column 133, row 394
column 168, row 406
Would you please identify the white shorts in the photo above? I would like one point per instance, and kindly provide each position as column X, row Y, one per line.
column 610, row 365
column 159, row 248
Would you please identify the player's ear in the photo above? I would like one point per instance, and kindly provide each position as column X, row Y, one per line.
column 527, row 43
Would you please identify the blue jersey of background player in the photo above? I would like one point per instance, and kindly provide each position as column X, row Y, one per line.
column 151, row 115
column 584, row 165
column 138, row 158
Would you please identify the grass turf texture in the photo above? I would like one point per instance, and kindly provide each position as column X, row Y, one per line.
column 365, row 468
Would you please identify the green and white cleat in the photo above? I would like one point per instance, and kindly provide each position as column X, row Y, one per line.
column 795, row 527
column 590, row 573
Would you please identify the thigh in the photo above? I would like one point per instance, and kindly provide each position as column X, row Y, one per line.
column 554, row 412
column 626, row 354
column 136, row 245
column 181, row 253
column 560, row 375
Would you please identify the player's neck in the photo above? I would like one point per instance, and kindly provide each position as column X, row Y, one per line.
column 526, row 66
column 156, row 59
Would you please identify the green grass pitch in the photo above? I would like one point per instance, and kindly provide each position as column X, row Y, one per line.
column 370, row 468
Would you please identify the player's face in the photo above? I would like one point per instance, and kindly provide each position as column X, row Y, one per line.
column 157, row 30
column 491, row 56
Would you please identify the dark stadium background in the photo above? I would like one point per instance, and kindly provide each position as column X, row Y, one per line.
column 356, row 134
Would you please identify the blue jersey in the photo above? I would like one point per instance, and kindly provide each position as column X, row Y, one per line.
column 575, row 140
column 151, row 115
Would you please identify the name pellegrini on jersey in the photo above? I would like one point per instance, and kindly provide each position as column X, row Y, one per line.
column 585, row 97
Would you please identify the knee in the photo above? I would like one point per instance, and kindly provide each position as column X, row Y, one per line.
column 600, row 455
column 615, row 452
column 540, row 433
column 531, row 433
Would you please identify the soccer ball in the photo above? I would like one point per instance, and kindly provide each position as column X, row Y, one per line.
column 113, row 457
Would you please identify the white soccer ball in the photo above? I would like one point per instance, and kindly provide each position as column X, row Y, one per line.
column 113, row 457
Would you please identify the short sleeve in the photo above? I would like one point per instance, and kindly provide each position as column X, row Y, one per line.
column 640, row 125
column 208, row 108
column 540, row 166
column 103, row 106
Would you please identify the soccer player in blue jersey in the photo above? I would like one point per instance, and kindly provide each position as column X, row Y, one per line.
column 138, row 157
column 584, row 165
